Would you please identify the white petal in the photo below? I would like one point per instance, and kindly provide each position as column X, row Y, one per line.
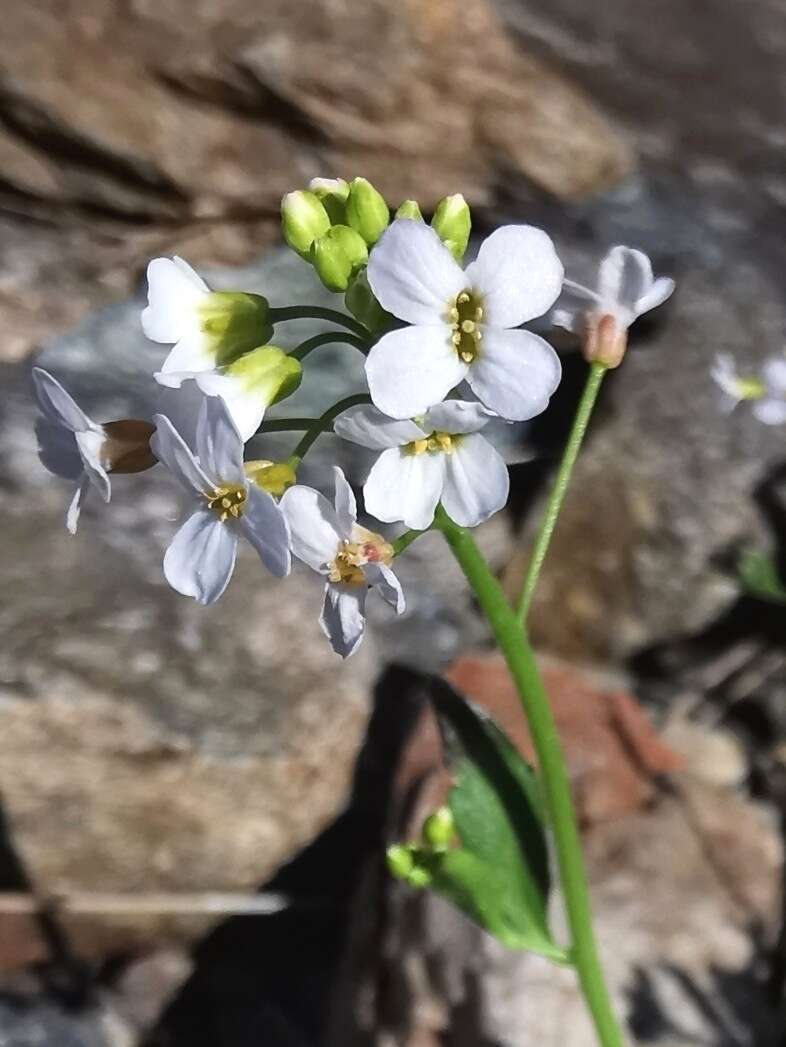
column 384, row 580
column 169, row 447
column 368, row 426
column 476, row 482
column 456, row 416
column 57, row 449
column 773, row 374
column 343, row 617
column 412, row 369
column 90, row 445
column 190, row 356
column 412, row 273
column 182, row 406
column 625, row 277
column 573, row 304
column 246, row 409
column 518, row 275
column 344, row 502
column 265, row 526
column 200, row 560
column 218, row 444
column 173, row 292
column 405, row 487
column 515, row 373
column 58, row 405
column 313, row 526
column 770, row 411
column 75, row 506
column 657, row 295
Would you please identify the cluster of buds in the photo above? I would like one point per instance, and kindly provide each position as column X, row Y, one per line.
column 445, row 351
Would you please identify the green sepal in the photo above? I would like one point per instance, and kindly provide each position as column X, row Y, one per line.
column 367, row 211
column 362, row 303
column 303, row 220
column 410, row 209
column 268, row 373
column 337, row 255
column 452, row 222
column 332, row 194
column 759, row 577
column 234, row 322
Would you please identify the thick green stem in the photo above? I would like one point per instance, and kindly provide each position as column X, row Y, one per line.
column 329, row 338
column 325, row 422
column 553, row 772
column 316, row 312
column 561, row 481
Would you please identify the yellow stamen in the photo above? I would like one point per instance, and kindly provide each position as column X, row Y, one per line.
column 227, row 501
column 465, row 316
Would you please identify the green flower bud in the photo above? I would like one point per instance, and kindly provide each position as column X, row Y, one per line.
column 361, row 302
column 303, row 220
column 333, row 193
column 439, row 829
column 400, row 861
column 367, row 212
column 452, row 222
column 234, row 322
column 337, row 255
column 273, row 477
column 267, row 373
column 410, row 209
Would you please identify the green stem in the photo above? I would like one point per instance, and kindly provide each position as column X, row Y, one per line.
column 553, row 772
column 405, row 540
column 316, row 312
column 328, row 338
column 557, row 495
column 325, row 422
column 286, row 425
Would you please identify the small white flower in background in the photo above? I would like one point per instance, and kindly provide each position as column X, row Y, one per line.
column 626, row 289
column 75, row 447
column 461, row 321
column 200, row 560
column 205, row 328
column 352, row 559
column 439, row 456
column 767, row 392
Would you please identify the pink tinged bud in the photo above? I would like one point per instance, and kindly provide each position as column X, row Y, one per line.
column 605, row 339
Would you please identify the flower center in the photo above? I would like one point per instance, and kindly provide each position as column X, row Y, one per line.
column 227, row 501
column 362, row 548
column 437, row 443
column 465, row 316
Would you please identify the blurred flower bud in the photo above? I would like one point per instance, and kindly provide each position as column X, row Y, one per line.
column 410, row 209
column 452, row 222
column 126, row 446
column 361, row 302
column 367, row 212
column 337, row 255
column 333, row 193
column 439, row 829
column 303, row 220
column 400, row 861
column 273, row 477
column 233, row 322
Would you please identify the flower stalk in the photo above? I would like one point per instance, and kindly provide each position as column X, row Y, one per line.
column 589, row 397
column 315, row 312
column 324, row 423
column 553, row 772
column 329, row 338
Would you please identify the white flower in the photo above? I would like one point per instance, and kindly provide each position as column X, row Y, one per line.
column 73, row 446
column 439, row 456
column 625, row 290
column 200, row 560
column 206, row 328
column 766, row 393
column 461, row 321
column 352, row 560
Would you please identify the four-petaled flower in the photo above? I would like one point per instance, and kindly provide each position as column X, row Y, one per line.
column 75, row 447
column 439, row 456
column 200, row 560
column 625, row 290
column 352, row 559
column 461, row 321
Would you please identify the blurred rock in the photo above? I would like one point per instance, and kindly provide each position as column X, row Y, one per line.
column 207, row 114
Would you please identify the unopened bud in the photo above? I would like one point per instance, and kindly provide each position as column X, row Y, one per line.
column 367, row 212
column 267, row 373
column 410, row 209
column 439, row 829
column 234, row 322
column 332, row 193
column 303, row 220
column 337, row 255
column 605, row 340
column 273, row 477
column 452, row 222
column 400, row 861
column 126, row 446
column 363, row 305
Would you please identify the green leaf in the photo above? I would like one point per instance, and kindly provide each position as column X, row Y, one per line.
column 759, row 577
column 500, row 874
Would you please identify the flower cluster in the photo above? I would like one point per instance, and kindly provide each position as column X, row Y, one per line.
column 446, row 351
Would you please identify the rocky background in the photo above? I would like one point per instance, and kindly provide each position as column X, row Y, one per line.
column 152, row 752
